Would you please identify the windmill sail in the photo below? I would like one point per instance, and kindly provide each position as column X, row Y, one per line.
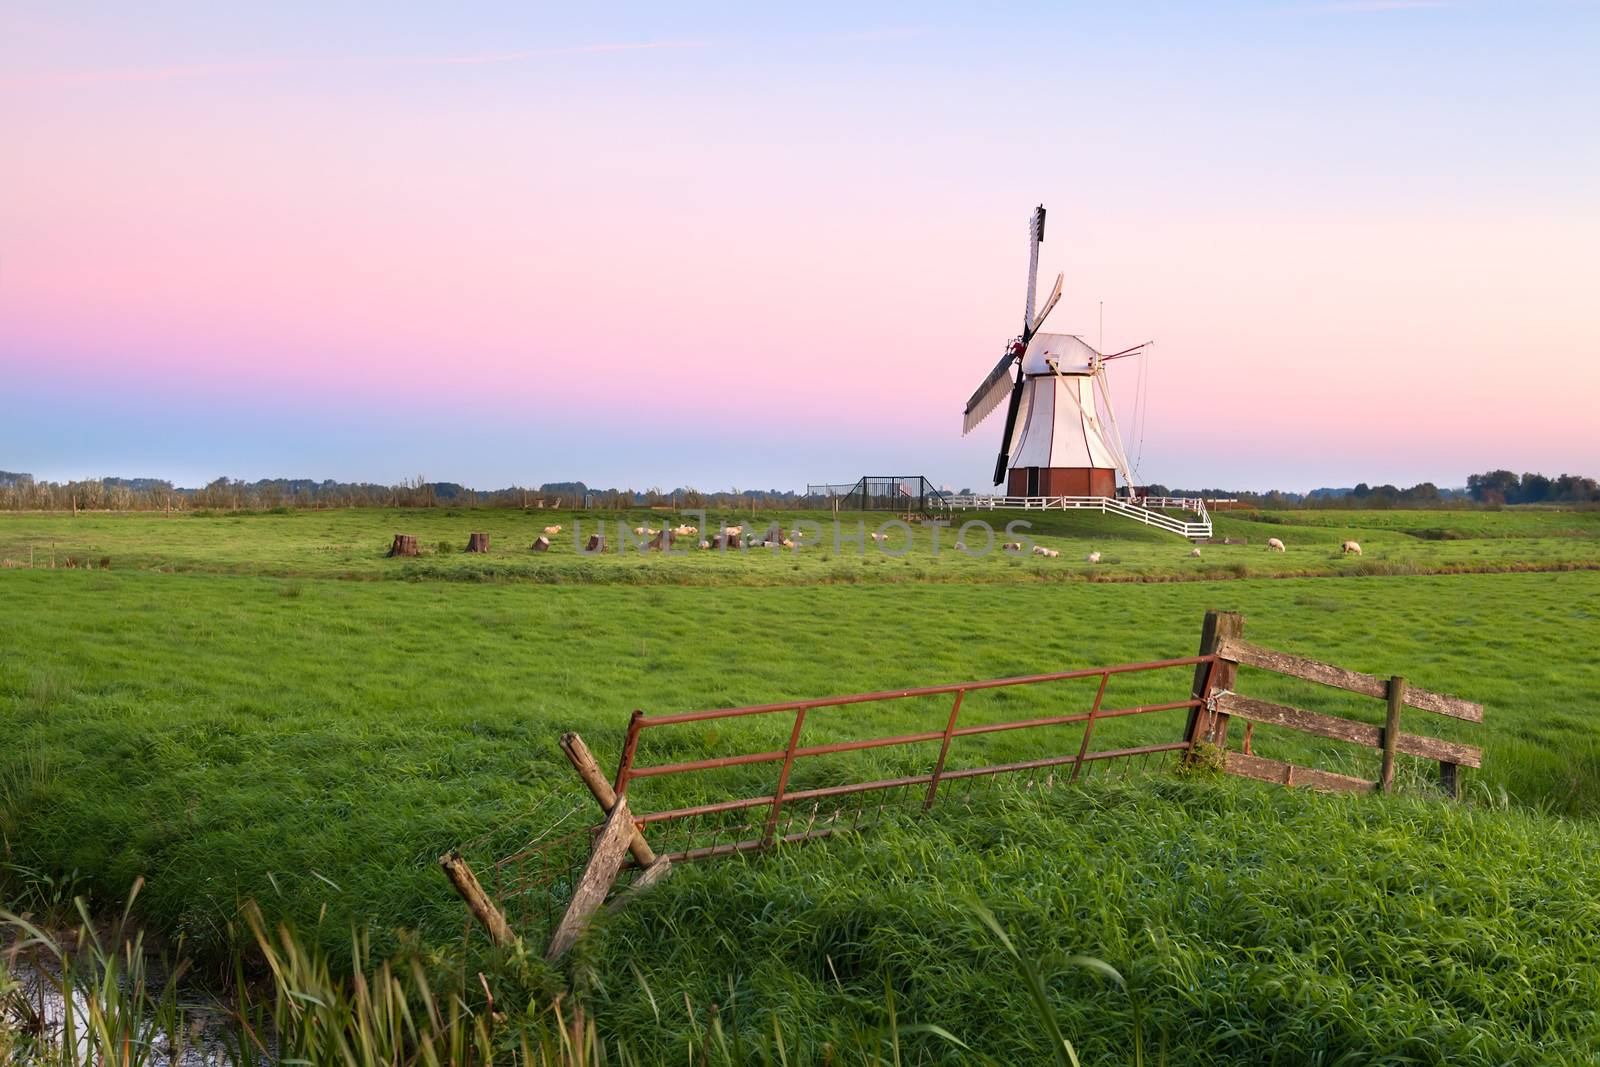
column 987, row 396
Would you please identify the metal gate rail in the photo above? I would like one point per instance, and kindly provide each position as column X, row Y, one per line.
column 630, row 771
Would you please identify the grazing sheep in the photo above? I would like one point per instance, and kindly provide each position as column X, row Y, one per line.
column 1195, row 552
column 1012, row 546
column 1047, row 553
column 1093, row 557
column 786, row 543
column 734, row 531
column 961, row 546
column 705, row 544
column 638, row 531
column 552, row 530
column 684, row 531
column 1350, row 548
column 1274, row 545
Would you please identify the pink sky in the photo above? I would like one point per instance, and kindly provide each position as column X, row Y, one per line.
column 758, row 254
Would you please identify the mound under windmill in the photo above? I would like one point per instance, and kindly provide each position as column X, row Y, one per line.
column 1061, row 446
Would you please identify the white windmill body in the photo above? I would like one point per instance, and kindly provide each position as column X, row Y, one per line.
column 1061, row 436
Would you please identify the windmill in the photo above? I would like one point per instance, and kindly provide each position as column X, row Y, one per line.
column 1056, row 441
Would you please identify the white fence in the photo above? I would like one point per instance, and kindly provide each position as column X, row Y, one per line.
column 1142, row 511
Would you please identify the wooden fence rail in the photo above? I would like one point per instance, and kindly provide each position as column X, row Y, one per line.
column 1222, row 637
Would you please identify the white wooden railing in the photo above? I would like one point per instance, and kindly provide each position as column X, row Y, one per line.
column 1142, row 511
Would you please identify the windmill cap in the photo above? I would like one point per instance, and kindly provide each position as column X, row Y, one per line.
column 1071, row 353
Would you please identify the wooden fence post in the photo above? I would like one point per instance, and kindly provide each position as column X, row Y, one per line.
column 583, row 762
column 1391, row 732
column 1210, row 678
column 478, row 902
column 598, row 877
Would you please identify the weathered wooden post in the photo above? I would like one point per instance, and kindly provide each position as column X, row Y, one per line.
column 478, row 542
column 1391, row 731
column 588, row 769
column 404, row 545
column 478, row 902
column 541, row 543
column 1212, row 677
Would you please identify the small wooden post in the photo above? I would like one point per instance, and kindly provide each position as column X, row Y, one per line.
column 404, row 545
column 1391, row 732
column 478, row 542
column 478, row 902
column 598, row 877
column 583, row 762
column 1447, row 780
column 1210, row 678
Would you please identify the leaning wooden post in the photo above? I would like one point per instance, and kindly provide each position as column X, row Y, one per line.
column 598, row 877
column 1391, row 732
column 583, row 762
column 478, row 902
column 1212, row 677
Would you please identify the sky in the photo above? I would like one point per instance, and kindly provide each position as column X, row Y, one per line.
column 757, row 246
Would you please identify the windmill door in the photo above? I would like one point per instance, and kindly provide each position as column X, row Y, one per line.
column 1033, row 481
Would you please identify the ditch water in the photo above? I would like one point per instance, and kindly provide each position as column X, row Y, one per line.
column 36, row 1009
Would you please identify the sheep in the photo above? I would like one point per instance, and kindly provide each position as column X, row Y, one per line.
column 1047, row 553
column 638, row 531
column 1274, row 545
column 1195, row 552
column 684, row 531
column 786, row 543
column 1350, row 548
column 705, row 544
column 961, row 546
column 551, row 531
column 1012, row 546
column 734, row 531
column 880, row 537
column 1093, row 557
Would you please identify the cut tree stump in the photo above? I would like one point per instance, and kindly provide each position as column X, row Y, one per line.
column 478, row 542
column 404, row 545
column 541, row 543
column 663, row 539
column 597, row 543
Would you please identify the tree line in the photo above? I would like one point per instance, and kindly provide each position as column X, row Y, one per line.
column 22, row 492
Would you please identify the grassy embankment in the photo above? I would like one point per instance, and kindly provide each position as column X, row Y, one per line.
column 353, row 543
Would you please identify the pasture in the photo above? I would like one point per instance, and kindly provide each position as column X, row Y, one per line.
column 243, row 707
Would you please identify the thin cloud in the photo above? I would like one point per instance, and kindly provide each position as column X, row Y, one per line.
column 66, row 79
column 550, row 53
column 1351, row 7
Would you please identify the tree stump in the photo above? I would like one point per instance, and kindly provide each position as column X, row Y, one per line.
column 597, row 543
column 404, row 545
column 541, row 543
column 662, row 540
column 478, row 542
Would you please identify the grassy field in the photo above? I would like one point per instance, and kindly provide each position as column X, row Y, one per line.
column 221, row 713
column 352, row 544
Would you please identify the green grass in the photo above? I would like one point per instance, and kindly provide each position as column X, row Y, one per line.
column 352, row 543
column 222, row 713
column 1252, row 925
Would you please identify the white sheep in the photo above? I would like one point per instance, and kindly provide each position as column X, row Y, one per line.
column 552, row 530
column 1195, row 552
column 705, row 544
column 1093, row 557
column 1050, row 553
column 638, row 531
column 1012, row 546
column 1274, row 545
column 961, row 546
column 1350, row 548
column 735, row 531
